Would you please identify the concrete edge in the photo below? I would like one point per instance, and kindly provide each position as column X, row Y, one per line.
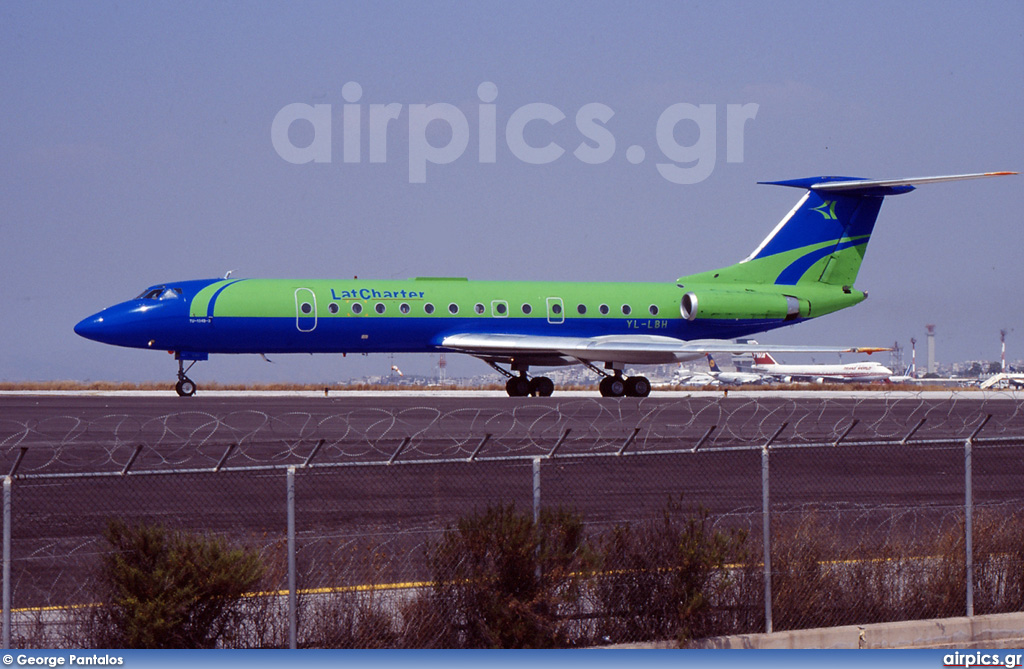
column 959, row 632
column 999, row 630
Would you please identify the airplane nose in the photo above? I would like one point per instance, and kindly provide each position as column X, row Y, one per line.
column 114, row 325
column 135, row 325
column 91, row 327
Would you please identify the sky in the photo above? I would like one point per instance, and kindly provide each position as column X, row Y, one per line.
column 149, row 142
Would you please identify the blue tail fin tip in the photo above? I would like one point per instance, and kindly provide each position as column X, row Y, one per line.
column 849, row 185
column 809, row 182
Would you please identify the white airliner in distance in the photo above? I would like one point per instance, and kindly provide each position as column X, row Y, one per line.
column 684, row 377
column 733, row 378
column 849, row 372
column 1011, row 380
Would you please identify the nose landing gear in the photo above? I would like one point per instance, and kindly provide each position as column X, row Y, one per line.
column 185, row 387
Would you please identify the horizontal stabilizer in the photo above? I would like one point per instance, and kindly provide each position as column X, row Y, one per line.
column 874, row 187
column 914, row 181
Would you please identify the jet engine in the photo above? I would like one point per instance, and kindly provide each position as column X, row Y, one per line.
column 747, row 304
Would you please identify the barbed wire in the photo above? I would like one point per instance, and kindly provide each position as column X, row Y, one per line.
column 197, row 439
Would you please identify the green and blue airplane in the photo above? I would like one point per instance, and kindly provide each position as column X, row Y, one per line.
column 805, row 268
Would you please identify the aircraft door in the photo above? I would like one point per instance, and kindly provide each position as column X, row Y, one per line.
column 305, row 310
column 556, row 311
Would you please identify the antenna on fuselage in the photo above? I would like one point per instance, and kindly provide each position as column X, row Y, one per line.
column 229, row 273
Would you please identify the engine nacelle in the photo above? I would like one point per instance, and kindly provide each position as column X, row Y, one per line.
column 747, row 304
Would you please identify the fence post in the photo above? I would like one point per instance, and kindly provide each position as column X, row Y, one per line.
column 536, row 492
column 536, row 505
column 766, row 530
column 766, row 534
column 290, row 482
column 969, row 528
column 7, row 563
column 969, row 516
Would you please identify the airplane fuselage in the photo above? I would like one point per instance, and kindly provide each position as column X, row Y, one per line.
column 414, row 316
column 854, row 371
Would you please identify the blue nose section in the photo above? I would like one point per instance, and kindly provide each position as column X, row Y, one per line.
column 158, row 319
column 136, row 324
column 94, row 327
column 121, row 325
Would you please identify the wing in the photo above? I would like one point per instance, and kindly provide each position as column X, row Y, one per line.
column 625, row 349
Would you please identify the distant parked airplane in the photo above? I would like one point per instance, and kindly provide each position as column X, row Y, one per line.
column 733, row 378
column 686, row 378
column 851, row 371
column 803, row 269
column 1009, row 379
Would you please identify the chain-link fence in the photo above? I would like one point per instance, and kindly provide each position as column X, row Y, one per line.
column 873, row 509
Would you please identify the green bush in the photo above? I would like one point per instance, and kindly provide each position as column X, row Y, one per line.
column 660, row 578
column 500, row 581
column 170, row 589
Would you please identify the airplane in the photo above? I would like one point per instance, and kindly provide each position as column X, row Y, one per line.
column 733, row 378
column 864, row 372
column 805, row 268
column 684, row 377
column 699, row 380
column 1010, row 379
column 906, row 377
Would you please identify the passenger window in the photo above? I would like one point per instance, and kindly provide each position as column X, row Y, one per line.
column 654, row 310
column 556, row 308
column 603, row 309
column 428, row 308
column 306, row 308
column 527, row 308
column 332, row 307
column 380, row 307
column 626, row 309
column 500, row 308
column 404, row 308
column 453, row 308
column 357, row 308
column 479, row 308
column 581, row 308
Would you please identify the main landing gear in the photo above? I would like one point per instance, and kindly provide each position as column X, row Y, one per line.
column 617, row 386
column 612, row 385
column 185, row 386
column 524, row 386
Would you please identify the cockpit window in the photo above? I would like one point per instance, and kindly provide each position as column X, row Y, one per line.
column 161, row 293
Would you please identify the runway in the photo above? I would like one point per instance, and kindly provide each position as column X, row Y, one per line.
column 872, row 464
